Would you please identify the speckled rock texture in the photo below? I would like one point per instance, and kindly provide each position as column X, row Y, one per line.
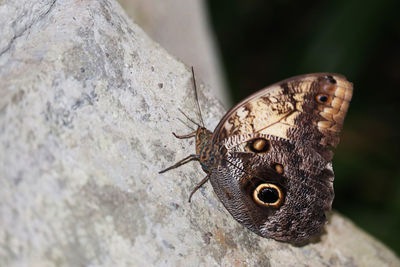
column 182, row 28
column 87, row 106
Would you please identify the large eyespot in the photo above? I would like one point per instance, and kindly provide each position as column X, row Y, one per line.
column 322, row 98
column 259, row 145
column 268, row 195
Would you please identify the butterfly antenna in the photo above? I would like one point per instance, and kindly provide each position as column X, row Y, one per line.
column 187, row 117
column 187, row 125
column 197, row 97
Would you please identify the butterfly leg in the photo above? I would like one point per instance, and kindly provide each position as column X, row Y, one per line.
column 181, row 162
column 186, row 136
column 198, row 186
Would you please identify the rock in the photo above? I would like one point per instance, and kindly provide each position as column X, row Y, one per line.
column 87, row 106
column 192, row 43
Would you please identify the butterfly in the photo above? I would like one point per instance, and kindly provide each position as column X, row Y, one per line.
column 269, row 158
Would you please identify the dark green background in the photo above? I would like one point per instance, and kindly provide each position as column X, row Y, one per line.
column 263, row 42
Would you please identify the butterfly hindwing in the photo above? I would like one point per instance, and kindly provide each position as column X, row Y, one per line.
column 302, row 175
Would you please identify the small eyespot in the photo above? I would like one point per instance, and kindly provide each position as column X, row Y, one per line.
column 259, row 145
column 268, row 195
column 330, row 79
column 278, row 168
column 322, row 98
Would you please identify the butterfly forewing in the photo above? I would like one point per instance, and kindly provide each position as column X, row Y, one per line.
column 305, row 108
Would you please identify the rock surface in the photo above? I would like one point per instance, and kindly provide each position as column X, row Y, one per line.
column 87, row 106
column 181, row 27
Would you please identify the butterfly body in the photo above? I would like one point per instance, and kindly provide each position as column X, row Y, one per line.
column 205, row 149
column 269, row 158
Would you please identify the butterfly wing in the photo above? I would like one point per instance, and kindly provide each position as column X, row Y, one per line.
column 278, row 141
column 308, row 108
column 305, row 181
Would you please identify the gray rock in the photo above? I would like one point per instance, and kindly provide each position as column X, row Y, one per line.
column 87, row 106
column 182, row 28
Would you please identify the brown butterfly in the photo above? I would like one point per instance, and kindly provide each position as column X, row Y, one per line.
column 269, row 158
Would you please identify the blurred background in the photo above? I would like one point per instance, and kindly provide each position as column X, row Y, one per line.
column 241, row 46
column 262, row 42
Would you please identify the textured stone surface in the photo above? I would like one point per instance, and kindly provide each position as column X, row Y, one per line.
column 87, row 106
column 181, row 27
